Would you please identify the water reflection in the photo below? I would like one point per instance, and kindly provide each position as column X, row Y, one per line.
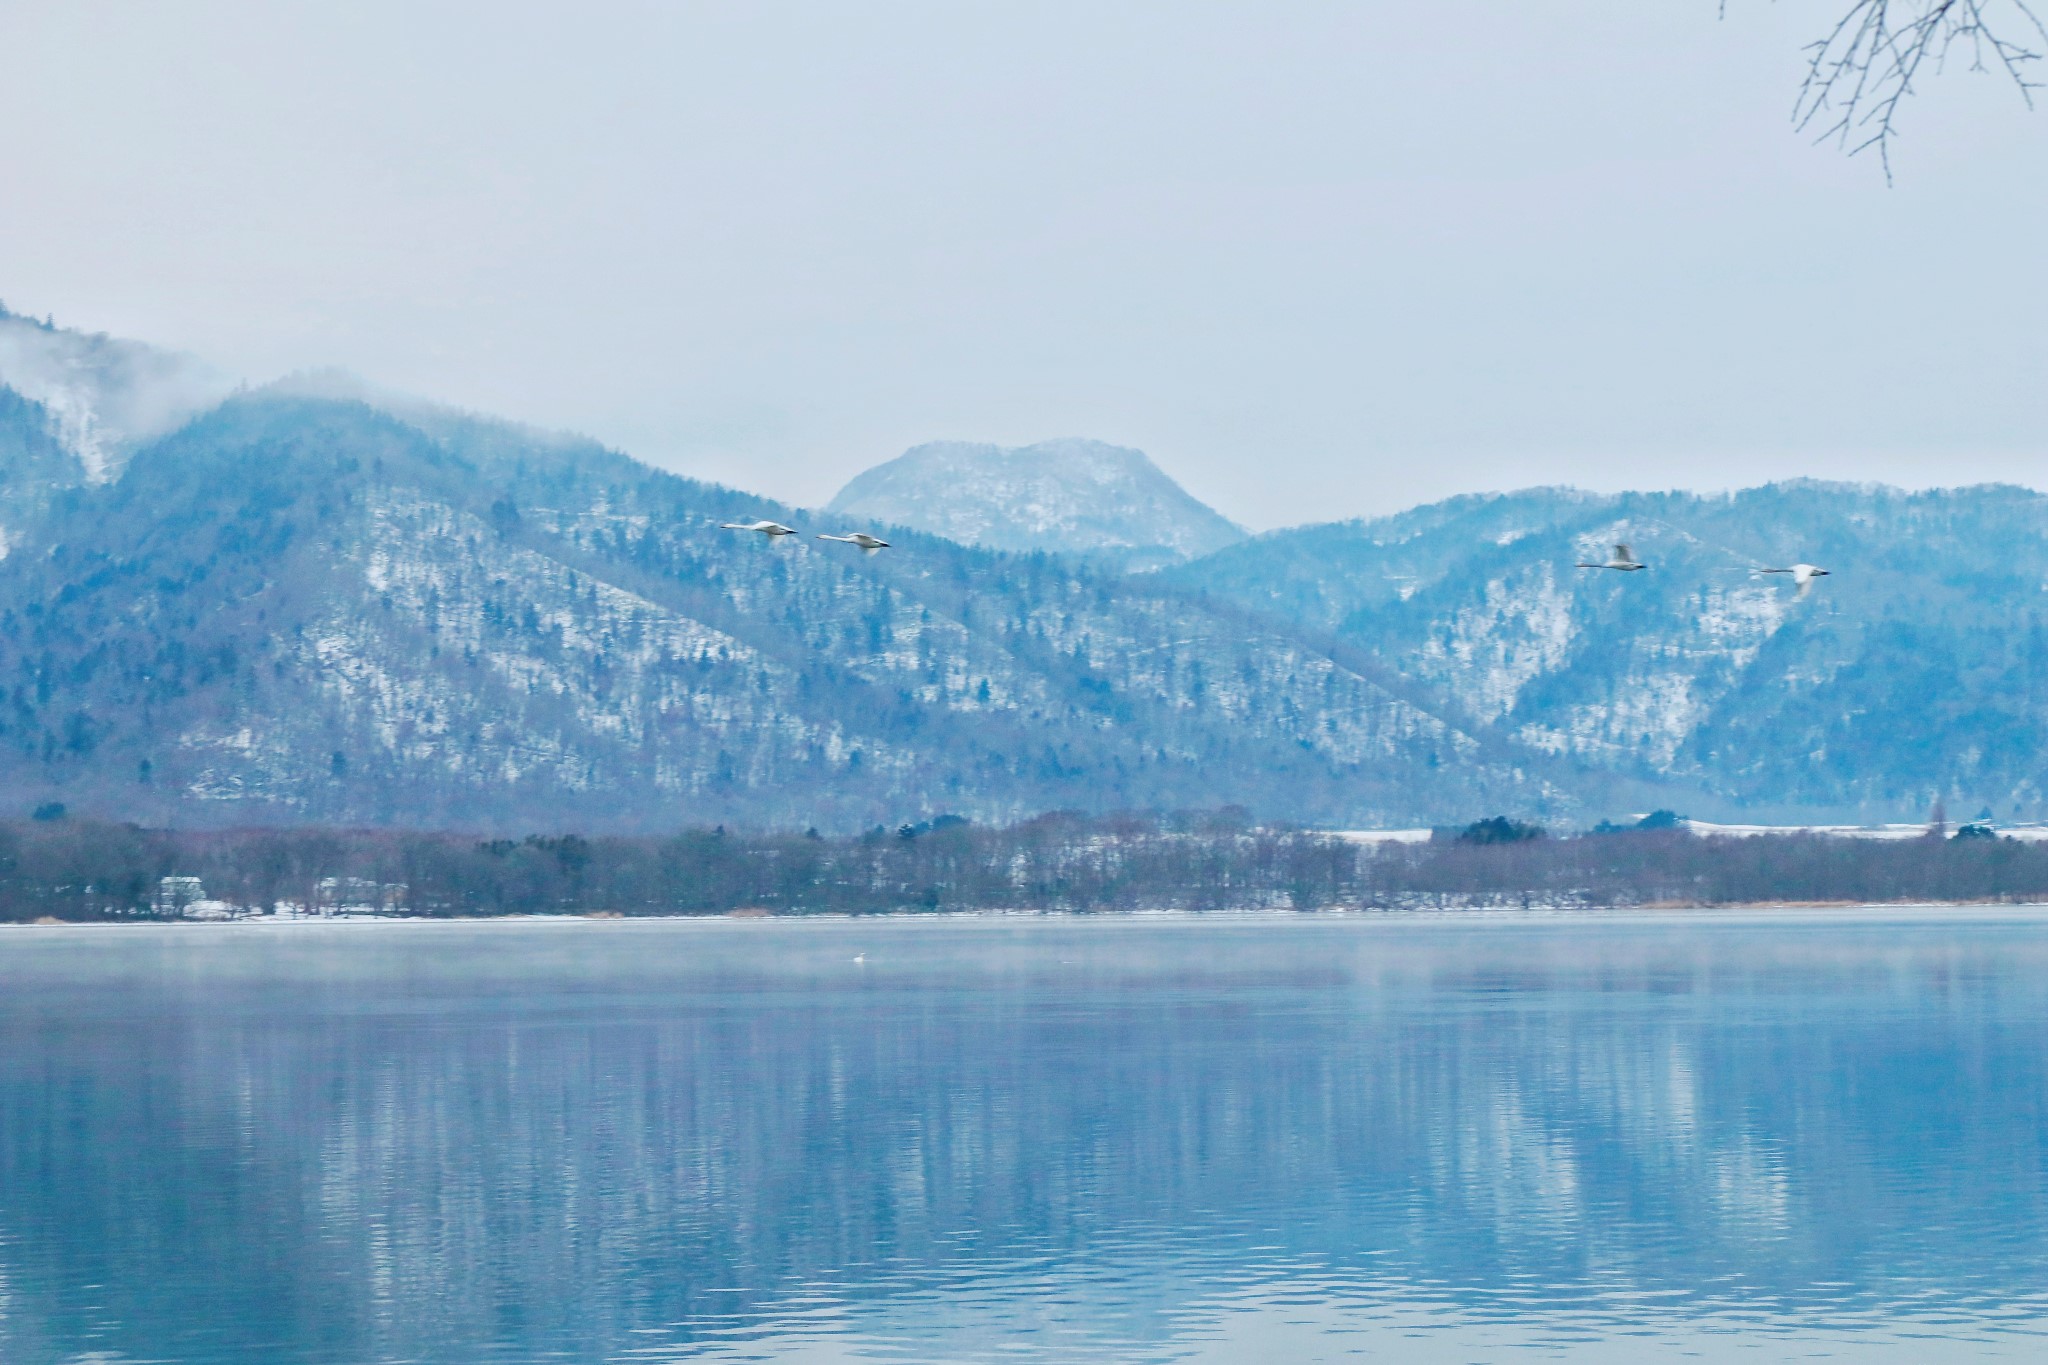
column 1161, row 1140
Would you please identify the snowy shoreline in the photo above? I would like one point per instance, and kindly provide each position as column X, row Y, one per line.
column 1772, row 910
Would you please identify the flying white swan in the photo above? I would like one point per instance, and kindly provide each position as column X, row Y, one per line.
column 867, row 543
column 771, row 529
column 1802, row 576
column 1623, row 560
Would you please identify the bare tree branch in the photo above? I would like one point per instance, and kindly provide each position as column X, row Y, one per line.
column 1859, row 74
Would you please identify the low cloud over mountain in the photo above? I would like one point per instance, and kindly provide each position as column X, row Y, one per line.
column 101, row 397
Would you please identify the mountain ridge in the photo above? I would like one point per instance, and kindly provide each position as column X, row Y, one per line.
column 313, row 602
column 1907, row 675
column 298, row 609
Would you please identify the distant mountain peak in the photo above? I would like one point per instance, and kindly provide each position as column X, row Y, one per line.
column 1070, row 495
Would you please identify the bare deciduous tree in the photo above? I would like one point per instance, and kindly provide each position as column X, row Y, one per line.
column 1860, row 72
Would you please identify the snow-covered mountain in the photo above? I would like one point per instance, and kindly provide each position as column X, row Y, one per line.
column 1917, row 669
column 302, row 606
column 1071, row 496
column 315, row 602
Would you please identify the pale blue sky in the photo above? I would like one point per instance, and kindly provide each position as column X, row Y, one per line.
column 1318, row 259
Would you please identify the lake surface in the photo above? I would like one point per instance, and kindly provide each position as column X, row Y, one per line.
column 1729, row 1138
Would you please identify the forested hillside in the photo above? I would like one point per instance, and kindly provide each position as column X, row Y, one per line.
column 308, row 609
column 1918, row 668
column 301, row 605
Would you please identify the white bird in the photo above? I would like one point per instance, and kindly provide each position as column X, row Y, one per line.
column 1802, row 576
column 1623, row 560
column 860, row 959
column 867, row 543
column 771, row 529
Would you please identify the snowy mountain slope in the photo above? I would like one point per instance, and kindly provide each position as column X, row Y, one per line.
column 301, row 608
column 35, row 465
column 1911, row 671
column 101, row 397
column 1106, row 502
column 318, row 603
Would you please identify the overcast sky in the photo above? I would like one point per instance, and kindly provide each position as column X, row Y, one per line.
column 1318, row 259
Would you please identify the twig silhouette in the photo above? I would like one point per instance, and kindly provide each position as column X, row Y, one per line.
column 1859, row 74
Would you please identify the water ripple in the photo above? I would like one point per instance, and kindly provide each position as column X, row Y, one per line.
column 1755, row 1139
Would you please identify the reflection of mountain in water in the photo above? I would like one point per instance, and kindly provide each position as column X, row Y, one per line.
column 426, row 1139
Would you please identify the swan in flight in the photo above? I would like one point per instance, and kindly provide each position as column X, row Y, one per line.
column 771, row 529
column 1802, row 576
column 868, row 544
column 1624, row 560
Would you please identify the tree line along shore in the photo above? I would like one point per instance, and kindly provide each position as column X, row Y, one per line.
column 80, row 870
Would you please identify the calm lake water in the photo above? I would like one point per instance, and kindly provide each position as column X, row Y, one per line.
column 1739, row 1138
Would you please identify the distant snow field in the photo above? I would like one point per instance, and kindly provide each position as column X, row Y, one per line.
column 2026, row 833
